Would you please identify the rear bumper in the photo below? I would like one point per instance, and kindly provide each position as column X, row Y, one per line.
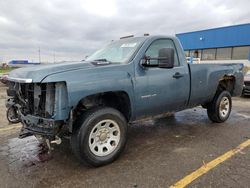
column 246, row 90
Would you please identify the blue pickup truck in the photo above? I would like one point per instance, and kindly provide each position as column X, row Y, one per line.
column 129, row 79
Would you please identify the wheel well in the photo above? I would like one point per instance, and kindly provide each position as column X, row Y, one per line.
column 118, row 100
column 227, row 83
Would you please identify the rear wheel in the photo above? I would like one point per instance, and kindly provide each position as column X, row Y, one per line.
column 220, row 108
column 100, row 137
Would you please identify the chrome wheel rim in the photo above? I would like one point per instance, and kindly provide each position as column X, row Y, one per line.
column 224, row 107
column 104, row 137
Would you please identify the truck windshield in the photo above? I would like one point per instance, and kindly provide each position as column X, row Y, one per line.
column 117, row 51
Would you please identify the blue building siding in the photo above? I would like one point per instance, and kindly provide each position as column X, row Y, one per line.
column 19, row 62
column 238, row 35
column 22, row 62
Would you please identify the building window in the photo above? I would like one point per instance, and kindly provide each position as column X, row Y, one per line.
column 195, row 53
column 187, row 53
column 223, row 53
column 241, row 52
column 208, row 54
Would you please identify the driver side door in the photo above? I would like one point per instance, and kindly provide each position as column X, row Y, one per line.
column 159, row 90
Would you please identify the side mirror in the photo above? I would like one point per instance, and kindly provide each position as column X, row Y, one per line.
column 145, row 62
column 166, row 58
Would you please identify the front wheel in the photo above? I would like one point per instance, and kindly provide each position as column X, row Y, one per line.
column 13, row 115
column 100, row 137
column 220, row 108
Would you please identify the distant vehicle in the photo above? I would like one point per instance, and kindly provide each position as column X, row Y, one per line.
column 246, row 86
column 129, row 79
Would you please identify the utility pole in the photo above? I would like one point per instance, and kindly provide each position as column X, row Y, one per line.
column 39, row 55
column 54, row 56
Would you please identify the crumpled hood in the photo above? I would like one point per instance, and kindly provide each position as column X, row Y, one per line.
column 38, row 72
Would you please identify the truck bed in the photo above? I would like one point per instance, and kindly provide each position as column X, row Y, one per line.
column 204, row 79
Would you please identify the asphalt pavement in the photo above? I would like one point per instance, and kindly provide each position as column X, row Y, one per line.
column 159, row 153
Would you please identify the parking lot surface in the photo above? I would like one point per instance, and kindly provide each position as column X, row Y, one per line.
column 159, row 153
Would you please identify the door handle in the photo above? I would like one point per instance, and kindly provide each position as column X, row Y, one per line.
column 177, row 75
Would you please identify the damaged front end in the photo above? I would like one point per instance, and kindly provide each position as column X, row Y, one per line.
column 43, row 107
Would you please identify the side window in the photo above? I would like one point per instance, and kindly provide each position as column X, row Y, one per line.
column 154, row 48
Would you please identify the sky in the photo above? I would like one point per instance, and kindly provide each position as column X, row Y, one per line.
column 69, row 30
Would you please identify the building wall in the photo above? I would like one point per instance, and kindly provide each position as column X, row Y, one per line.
column 238, row 35
column 21, row 63
column 219, row 44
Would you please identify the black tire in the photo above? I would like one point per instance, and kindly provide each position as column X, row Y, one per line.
column 83, row 128
column 12, row 115
column 214, row 111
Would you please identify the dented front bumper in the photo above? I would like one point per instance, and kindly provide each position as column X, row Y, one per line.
column 43, row 107
column 40, row 126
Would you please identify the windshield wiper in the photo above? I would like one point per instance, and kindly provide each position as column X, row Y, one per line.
column 103, row 59
column 101, row 62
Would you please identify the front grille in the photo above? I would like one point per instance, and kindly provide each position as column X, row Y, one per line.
column 35, row 99
column 27, row 96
